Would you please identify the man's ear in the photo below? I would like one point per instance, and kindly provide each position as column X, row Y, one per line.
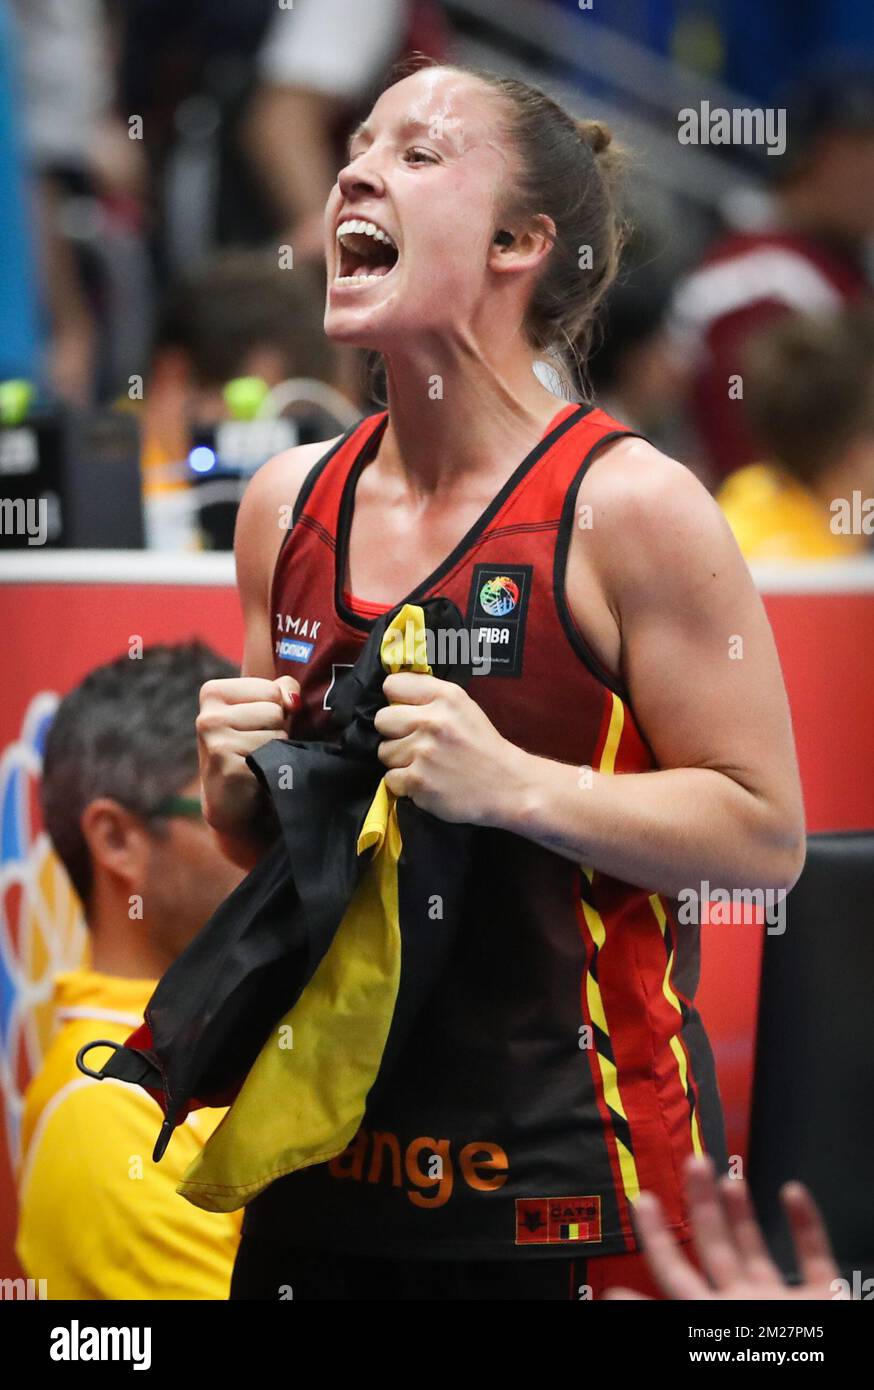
column 117, row 840
column 522, row 248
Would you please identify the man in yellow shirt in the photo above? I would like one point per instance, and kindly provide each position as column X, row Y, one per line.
column 776, row 519
column 98, row 1219
column 809, row 394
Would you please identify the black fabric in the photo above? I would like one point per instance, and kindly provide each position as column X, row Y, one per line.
column 265, row 1271
column 813, row 1087
column 214, row 1008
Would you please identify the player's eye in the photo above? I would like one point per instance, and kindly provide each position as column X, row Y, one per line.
column 416, row 155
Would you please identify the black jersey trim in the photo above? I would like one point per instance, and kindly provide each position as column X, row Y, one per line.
column 306, row 488
column 347, row 505
column 312, row 478
column 319, row 467
column 562, row 548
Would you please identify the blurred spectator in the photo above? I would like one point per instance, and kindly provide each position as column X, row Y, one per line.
column 245, row 108
column 807, row 258
column 121, row 803
column 318, row 66
column 187, row 72
column 810, row 398
column 632, row 372
column 88, row 178
column 238, row 315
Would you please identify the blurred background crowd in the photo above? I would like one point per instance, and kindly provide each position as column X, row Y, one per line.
column 165, row 169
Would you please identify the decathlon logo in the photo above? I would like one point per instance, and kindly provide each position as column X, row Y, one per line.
column 294, row 651
column 296, row 637
column 75, row 1343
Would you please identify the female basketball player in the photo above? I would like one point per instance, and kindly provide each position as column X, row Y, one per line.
column 631, row 742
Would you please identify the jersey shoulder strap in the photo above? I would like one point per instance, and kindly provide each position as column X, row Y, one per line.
column 553, row 477
column 321, row 490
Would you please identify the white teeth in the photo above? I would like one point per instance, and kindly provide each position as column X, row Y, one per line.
column 360, row 228
column 357, row 227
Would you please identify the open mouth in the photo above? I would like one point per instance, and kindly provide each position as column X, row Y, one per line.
column 366, row 252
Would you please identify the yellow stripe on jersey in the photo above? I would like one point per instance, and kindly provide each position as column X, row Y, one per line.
column 677, row 1048
column 606, row 1065
column 614, row 734
column 594, row 999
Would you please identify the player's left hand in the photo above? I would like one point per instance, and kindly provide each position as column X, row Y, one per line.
column 442, row 750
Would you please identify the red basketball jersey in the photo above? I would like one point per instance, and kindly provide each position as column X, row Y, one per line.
column 559, row 1067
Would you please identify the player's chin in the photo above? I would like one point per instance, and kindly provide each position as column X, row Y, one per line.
column 373, row 327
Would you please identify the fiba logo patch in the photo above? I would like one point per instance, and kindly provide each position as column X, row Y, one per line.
column 499, row 596
column 496, row 613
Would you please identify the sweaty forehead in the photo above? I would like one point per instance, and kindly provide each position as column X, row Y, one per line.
column 453, row 105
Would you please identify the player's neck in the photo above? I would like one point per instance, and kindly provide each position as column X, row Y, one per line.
column 453, row 411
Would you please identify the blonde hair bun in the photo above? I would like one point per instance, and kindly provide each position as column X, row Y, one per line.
column 596, row 135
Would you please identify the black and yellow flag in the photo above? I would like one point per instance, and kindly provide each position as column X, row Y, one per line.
column 303, row 985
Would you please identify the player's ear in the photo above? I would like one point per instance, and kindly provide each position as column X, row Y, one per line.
column 521, row 248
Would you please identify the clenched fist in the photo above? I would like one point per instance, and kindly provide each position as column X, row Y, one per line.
column 236, row 717
column 442, row 750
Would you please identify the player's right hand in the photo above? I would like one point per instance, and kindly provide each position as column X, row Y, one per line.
column 236, row 717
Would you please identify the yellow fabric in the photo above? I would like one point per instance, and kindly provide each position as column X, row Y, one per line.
column 404, row 645
column 776, row 518
column 305, row 1095
column 98, row 1219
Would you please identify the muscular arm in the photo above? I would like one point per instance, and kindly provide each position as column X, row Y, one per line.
column 660, row 590
column 699, row 661
column 262, row 524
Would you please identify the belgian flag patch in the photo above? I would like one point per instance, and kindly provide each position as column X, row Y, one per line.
column 558, row 1220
